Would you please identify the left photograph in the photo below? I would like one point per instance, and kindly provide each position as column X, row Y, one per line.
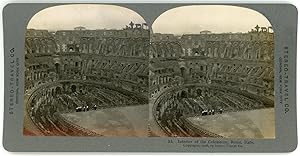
column 86, row 72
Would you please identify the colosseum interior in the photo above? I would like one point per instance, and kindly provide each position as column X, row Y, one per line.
column 213, row 85
column 136, row 82
column 75, row 73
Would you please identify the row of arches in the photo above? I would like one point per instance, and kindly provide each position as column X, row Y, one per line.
column 115, row 46
column 244, row 50
column 165, row 49
column 83, row 68
column 233, row 74
column 40, row 45
column 110, row 46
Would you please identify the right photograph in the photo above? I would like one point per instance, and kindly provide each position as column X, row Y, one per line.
column 212, row 73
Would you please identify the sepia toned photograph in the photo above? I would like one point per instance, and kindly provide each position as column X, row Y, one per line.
column 212, row 73
column 86, row 72
column 198, row 71
column 174, row 77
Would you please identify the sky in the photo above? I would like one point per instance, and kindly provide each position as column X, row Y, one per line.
column 91, row 16
column 215, row 18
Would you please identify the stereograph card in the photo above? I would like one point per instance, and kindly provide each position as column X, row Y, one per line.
column 150, row 77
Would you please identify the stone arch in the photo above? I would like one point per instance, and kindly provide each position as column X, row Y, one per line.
column 73, row 88
column 199, row 92
column 183, row 71
column 184, row 94
column 57, row 68
column 58, row 90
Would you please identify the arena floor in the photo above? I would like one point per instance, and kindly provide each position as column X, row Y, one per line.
column 245, row 124
column 122, row 121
